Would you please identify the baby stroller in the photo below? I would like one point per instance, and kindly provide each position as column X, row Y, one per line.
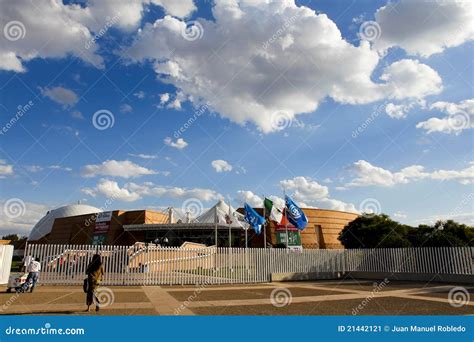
column 25, row 286
column 17, row 281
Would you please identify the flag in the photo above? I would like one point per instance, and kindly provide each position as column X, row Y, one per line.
column 253, row 218
column 295, row 215
column 273, row 212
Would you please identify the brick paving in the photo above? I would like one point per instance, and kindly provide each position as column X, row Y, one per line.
column 344, row 297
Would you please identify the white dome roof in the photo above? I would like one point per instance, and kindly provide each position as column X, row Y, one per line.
column 45, row 225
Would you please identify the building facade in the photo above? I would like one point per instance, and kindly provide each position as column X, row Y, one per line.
column 128, row 227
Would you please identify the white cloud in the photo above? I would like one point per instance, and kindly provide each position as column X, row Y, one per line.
column 370, row 175
column 131, row 191
column 400, row 111
column 221, row 165
column 126, row 108
column 21, row 225
column 458, row 117
column 310, row 193
column 143, row 156
column 181, row 8
column 305, row 189
column 111, row 189
column 425, row 27
column 114, row 168
column 249, row 197
column 59, row 167
column 179, row 143
column 164, row 98
column 244, row 83
column 61, row 95
column 5, row 169
column 464, row 176
column 50, row 31
column 140, row 94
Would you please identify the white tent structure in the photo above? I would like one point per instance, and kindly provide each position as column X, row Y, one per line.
column 223, row 214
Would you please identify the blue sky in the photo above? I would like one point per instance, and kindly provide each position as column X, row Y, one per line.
column 299, row 98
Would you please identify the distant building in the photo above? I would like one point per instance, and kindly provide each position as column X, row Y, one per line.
column 80, row 225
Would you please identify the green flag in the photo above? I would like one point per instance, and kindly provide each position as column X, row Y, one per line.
column 272, row 211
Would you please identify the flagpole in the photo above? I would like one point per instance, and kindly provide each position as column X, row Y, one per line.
column 264, row 225
column 215, row 227
column 286, row 221
column 230, row 228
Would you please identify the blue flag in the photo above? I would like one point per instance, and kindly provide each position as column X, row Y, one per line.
column 253, row 218
column 295, row 215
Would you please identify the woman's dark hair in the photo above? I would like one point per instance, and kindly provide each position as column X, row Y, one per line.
column 95, row 263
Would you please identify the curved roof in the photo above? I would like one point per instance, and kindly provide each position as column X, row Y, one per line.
column 45, row 225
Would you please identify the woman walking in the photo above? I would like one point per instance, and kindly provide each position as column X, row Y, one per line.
column 94, row 271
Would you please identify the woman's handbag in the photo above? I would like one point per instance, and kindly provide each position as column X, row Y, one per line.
column 85, row 286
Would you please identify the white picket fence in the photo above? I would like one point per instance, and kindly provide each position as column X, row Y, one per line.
column 141, row 265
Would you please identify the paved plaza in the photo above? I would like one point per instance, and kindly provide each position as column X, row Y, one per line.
column 345, row 297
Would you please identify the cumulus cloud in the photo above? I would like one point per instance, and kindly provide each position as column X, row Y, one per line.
column 111, row 189
column 310, row 193
column 165, row 97
column 5, row 169
column 221, row 165
column 249, row 197
column 400, row 111
column 61, row 95
column 132, row 191
column 458, row 117
column 73, row 26
column 31, row 214
column 179, row 143
column 370, row 175
column 115, row 168
column 305, row 189
column 244, row 83
column 424, row 27
column 36, row 25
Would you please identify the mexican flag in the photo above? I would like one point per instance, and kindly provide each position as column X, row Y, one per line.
column 273, row 212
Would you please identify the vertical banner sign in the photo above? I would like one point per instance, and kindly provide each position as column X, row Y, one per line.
column 102, row 225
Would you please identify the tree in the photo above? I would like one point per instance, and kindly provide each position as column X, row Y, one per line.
column 374, row 231
column 11, row 237
column 442, row 234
